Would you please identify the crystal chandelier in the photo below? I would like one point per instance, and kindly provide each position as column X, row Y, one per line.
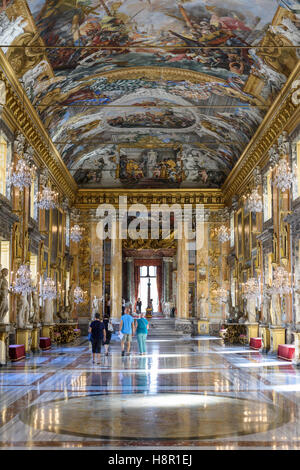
column 76, row 233
column 284, row 176
column 251, row 289
column 221, row 295
column 22, row 176
column 23, row 283
column 49, row 289
column 281, row 282
column 223, row 234
column 78, row 295
column 254, row 202
column 46, row 199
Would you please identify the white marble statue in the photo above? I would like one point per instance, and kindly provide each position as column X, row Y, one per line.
column 48, row 311
column 201, row 306
column 95, row 306
column 71, row 296
column 166, row 309
column 3, row 294
column 251, row 310
column 23, row 312
column 35, row 306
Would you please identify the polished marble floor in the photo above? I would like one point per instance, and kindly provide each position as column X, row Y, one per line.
column 185, row 393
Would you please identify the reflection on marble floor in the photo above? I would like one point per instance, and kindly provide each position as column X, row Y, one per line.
column 193, row 393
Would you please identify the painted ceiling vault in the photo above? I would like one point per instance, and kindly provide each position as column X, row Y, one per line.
column 151, row 93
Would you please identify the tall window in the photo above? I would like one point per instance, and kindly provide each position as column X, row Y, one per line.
column 33, row 206
column 267, row 194
column 3, row 164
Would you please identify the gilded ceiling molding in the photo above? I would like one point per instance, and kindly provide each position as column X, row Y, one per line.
column 92, row 198
column 28, row 122
column 279, row 118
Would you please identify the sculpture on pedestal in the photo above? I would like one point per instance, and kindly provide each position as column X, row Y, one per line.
column 23, row 312
column 3, row 294
column 48, row 311
column 36, row 307
column 201, row 306
column 166, row 309
column 95, row 306
column 71, row 296
column 64, row 314
column 251, row 310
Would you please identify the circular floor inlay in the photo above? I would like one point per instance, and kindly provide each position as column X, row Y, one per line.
column 160, row 416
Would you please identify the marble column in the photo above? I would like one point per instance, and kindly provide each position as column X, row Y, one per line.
column 166, row 278
column 116, row 272
column 182, row 278
column 130, row 280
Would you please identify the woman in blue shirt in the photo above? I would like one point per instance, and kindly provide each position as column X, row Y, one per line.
column 142, row 327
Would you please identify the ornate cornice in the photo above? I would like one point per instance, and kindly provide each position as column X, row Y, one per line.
column 28, row 122
column 282, row 115
column 89, row 198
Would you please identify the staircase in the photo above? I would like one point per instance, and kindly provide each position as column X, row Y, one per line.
column 163, row 327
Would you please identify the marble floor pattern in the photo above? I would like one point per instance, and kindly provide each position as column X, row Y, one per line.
column 185, row 393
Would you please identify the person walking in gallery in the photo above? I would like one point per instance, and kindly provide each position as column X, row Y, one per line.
column 108, row 330
column 138, row 306
column 123, row 306
column 108, row 307
column 142, row 327
column 126, row 330
column 98, row 334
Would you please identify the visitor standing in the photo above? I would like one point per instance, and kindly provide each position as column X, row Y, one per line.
column 108, row 307
column 123, row 306
column 138, row 306
column 108, row 330
column 127, row 330
column 98, row 334
column 142, row 327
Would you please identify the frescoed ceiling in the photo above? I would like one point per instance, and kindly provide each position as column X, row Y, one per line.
column 151, row 93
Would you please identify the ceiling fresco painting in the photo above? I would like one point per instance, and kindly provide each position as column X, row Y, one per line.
column 117, row 82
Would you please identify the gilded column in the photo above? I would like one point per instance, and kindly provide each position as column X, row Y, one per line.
column 116, row 272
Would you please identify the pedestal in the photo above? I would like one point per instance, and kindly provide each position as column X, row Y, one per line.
column 203, row 326
column 23, row 336
column 252, row 330
column 184, row 325
column 35, row 337
column 277, row 336
column 4, row 331
column 264, row 333
column 47, row 330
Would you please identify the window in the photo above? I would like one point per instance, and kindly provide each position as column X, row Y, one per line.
column 67, row 230
column 3, row 163
column 33, row 267
column 148, row 271
column 296, row 169
column 232, row 230
column 33, row 206
column 267, row 195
